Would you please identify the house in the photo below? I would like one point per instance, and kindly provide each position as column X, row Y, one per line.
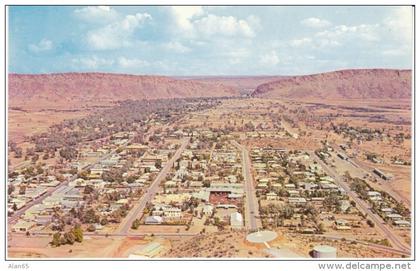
column 262, row 185
column 394, row 216
column 308, row 231
column 208, row 210
column 236, row 221
column 96, row 171
column 297, row 200
column 401, row 223
column 290, row 186
column 196, row 184
column 169, row 184
column 374, row 195
column 43, row 220
column 271, row 196
column 153, row 220
column 172, row 212
column 344, row 205
column 293, row 193
column 342, row 224
column 23, row 226
column 136, row 148
column 387, row 210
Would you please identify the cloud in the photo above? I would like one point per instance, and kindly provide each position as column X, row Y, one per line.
column 395, row 52
column 300, row 42
column 42, row 46
column 315, row 22
column 96, row 14
column 196, row 22
column 91, row 62
column 223, row 25
column 118, row 34
column 400, row 24
column 176, row 47
column 362, row 32
column 270, row 59
column 132, row 63
column 184, row 14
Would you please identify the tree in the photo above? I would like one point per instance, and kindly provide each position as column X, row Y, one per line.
column 22, row 190
column 136, row 224
column 39, row 169
column 88, row 189
column 370, row 223
column 91, row 228
column 56, row 240
column 10, row 189
column 68, row 153
column 104, row 221
column 90, row 216
column 321, row 228
column 69, row 237
column 158, row 164
column 78, row 233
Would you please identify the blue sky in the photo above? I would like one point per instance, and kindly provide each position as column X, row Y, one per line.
column 208, row 40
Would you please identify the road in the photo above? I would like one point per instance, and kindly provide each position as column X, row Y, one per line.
column 373, row 245
column 99, row 234
column 364, row 207
column 389, row 189
column 251, row 204
column 137, row 210
column 16, row 215
column 369, row 170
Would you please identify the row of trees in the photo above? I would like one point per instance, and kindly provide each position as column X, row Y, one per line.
column 70, row 237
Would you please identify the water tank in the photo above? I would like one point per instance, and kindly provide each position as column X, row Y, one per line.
column 324, row 251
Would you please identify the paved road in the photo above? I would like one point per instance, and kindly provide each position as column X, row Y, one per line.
column 251, row 205
column 364, row 206
column 137, row 210
column 16, row 215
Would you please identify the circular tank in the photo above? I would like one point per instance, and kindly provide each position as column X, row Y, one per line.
column 324, row 251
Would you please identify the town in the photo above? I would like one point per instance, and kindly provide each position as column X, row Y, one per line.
column 164, row 178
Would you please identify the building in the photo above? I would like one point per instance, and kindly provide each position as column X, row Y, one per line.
column 23, row 226
column 236, row 221
column 271, row 196
column 172, row 212
column 208, row 210
column 323, row 251
column 401, row 223
column 153, row 220
column 380, row 174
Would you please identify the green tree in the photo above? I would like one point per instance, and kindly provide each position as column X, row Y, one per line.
column 69, row 237
column 78, row 233
column 136, row 224
column 56, row 240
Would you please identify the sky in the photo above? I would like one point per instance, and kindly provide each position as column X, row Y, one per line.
column 208, row 40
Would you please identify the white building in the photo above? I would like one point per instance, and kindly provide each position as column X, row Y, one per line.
column 236, row 221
